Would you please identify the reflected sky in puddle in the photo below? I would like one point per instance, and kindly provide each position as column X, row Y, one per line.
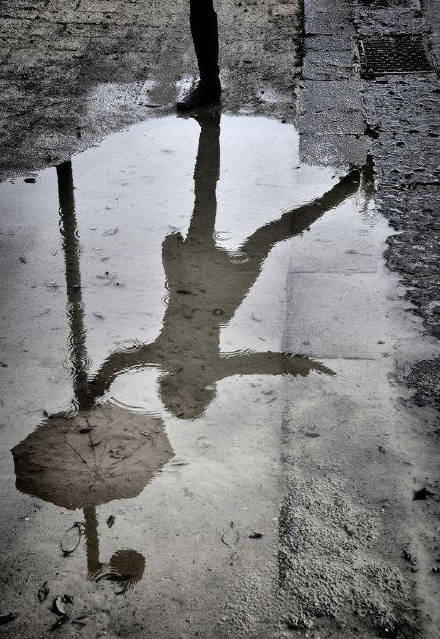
column 158, row 260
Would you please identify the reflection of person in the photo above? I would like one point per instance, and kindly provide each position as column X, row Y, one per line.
column 204, row 29
column 206, row 285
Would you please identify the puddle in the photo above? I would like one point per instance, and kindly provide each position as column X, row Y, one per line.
column 196, row 293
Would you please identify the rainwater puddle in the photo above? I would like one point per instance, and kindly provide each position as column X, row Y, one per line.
column 204, row 283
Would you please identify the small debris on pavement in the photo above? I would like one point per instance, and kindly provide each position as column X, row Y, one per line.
column 125, row 580
column 43, row 592
column 218, row 311
column 312, row 434
column 59, row 622
column 183, row 291
column 423, row 493
column 372, row 131
column 202, row 442
column 71, row 539
column 23, row 260
column 408, row 557
column 381, row 449
column 98, row 316
column 231, row 537
column 255, row 535
column 179, row 462
column 111, row 231
column 79, row 622
column 123, row 590
column 59, row 604
column 110, row 521
column 51, row 286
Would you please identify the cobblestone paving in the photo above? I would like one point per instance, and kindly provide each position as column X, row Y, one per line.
column 392, row 124
column 404, row 110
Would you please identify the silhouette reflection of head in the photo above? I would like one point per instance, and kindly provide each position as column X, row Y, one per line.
column 125, row 567
column 186, row 398
column 206, row 286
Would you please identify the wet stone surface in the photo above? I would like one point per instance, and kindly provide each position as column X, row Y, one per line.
column 73, row 71
column 205, row 427
column 405, row 111
column 182, row 370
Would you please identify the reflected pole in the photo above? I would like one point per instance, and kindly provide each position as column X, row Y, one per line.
column 75, row 311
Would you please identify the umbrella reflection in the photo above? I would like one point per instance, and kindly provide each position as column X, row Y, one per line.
column 206, row 285
column 101, row 453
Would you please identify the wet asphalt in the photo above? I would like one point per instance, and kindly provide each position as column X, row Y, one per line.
column 204, row 427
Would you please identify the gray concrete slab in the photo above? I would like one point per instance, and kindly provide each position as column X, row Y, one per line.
column 344, row 115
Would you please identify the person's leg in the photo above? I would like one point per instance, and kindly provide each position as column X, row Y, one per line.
column 204, row 30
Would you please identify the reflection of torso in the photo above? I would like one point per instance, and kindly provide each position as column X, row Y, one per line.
column 205, row 289
column 206, row 285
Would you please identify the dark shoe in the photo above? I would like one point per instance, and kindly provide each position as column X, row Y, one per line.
column 205, row 93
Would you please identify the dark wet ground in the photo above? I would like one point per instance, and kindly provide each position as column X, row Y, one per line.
column 71, row 72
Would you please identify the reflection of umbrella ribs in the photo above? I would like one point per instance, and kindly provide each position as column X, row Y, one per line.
column 103, row 454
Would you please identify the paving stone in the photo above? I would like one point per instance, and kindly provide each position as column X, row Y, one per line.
column 328, row 65
column 342, row 117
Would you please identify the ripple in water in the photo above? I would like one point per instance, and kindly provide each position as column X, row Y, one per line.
column 238, row 258
column 128, row 346
column 223, row 236
column 142, row 410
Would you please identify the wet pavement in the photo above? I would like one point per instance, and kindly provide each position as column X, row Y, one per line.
column 204, row 430
column 187, row 349
column 73, row 71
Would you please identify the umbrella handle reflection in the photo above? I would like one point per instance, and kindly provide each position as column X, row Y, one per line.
column 75, row 311
column 92, row 542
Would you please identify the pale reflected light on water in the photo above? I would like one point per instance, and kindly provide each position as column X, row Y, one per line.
column 159, row 259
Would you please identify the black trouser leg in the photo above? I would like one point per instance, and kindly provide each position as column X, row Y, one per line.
column 204, row 31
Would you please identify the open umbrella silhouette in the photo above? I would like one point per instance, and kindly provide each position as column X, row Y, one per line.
column 101, row 453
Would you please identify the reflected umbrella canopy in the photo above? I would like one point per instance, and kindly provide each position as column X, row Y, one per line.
column 101, row 453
